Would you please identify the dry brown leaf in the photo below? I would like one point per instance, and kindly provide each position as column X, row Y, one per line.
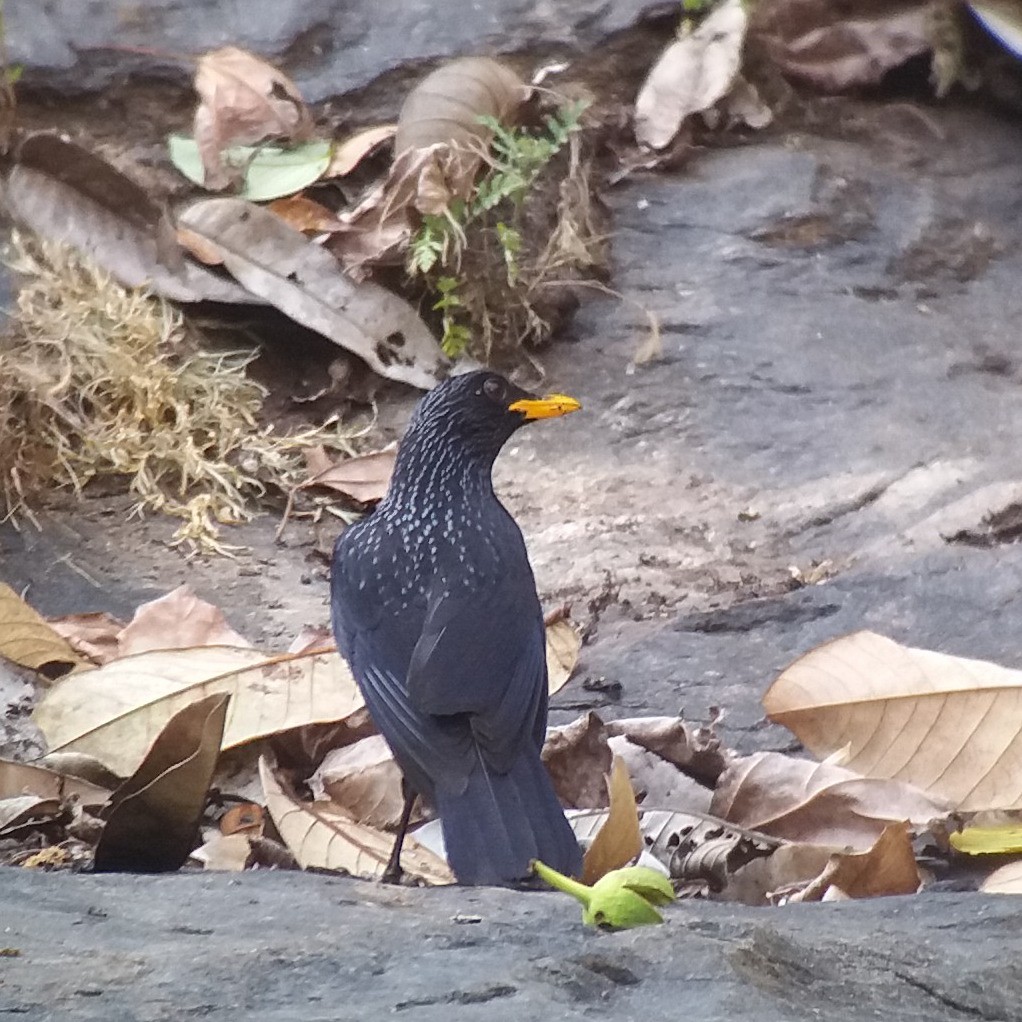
column 775, row 877
column 445, row 107
column 818, row 803
column 179, row 620
column 1006, row 880
column 691, row 75
column 19, row 811
column 152, row 820
column 619, row 840
column 364, row 780
column 28, row 640
column 30, row 779
column 888, row 868
column 284, row 268
column 577, row 757
column 364, row 478
column 304, row 214
column 67, row 194
column 116, row 711
column 93, row 636
column 948, row 725
column 243, row 100
column 349, row 154
column 249, row 816
column 835, row 49
column 695, row 750
column 563, row 645
column 198, row 246
column 321, row 835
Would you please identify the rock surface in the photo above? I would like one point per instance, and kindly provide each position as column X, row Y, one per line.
column 273, row 947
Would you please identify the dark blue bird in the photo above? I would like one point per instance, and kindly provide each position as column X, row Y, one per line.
column 435, row 608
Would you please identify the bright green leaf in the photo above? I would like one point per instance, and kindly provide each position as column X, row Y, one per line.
column 270, row 171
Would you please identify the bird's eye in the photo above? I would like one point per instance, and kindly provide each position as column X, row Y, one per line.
column 493, row 388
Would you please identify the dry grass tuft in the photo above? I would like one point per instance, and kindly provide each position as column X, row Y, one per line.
column 101, row 381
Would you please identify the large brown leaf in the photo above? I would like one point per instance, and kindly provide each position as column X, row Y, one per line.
column 67, row 194
column 115, row 712
column 945, row 724
column 577, row 758
column 321, row 835
column 283, row 267
column 619, row 841
column 153, row 818
column 818, row 803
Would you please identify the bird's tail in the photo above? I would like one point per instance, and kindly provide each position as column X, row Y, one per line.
column 502, row 821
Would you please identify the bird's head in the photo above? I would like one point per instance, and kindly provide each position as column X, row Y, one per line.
column 481, row 410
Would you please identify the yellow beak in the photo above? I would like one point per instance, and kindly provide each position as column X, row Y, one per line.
column 545, row 407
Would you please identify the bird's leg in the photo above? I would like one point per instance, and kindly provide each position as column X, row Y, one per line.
column 393, row 873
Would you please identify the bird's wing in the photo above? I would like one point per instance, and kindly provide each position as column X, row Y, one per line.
column 482, row 652
column 378, row 650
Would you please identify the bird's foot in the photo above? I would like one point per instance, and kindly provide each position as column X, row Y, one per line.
column 392, row 874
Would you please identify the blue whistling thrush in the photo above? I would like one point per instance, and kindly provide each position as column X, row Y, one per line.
column 435, row 608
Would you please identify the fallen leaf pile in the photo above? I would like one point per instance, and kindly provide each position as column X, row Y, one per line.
column 173, row 742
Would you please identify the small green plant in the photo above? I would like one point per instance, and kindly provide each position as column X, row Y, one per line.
column 516, row 158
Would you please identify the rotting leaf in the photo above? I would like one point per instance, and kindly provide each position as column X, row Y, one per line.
column 153, row 818
column 69, row 195
column 948, row 725
column 178, row 620
column 243, row 100
column 819, row 42
column 619, row 841
column 819, row 803
column 691, row 75
column 321, row 835
column 28, row 640
column 577, row 757
column 115, row 712
column 280, row 265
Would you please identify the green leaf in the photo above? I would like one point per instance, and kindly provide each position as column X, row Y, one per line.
column 270, row 171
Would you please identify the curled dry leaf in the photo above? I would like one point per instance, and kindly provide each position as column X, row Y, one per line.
column 774, row 877
column 948, row 725
column 836, row 48
column 243, row 99
column 364, row 780
column 817, row 803
column 280, row 265
column 691, row 75
column 321, row 835
column 886, row 868
column 695, row 750
column 18, row 812
column 28, row 640
column 350, row 153
column 93, row 636
column 619, row 841
column 152, row 820
column 179, row 620
column 67, row 194
column 115, row 712
column 577, row 758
